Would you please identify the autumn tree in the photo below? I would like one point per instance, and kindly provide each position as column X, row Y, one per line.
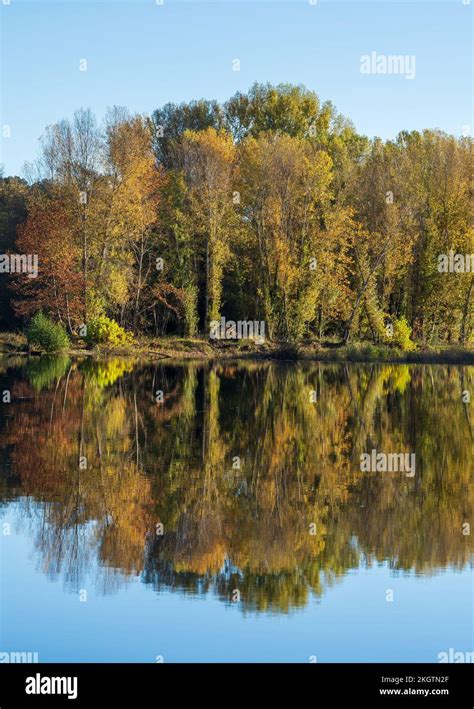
column 13, row 213
column 268, row 206
column 286, row 193
column 170, row 122
column 127, row 256
column 49, row 233
column 207, row 163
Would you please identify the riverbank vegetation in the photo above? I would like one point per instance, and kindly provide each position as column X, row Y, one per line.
column 269, row 207
column 198, row 348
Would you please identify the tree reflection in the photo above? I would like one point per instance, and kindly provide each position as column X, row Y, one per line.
column 244, row 478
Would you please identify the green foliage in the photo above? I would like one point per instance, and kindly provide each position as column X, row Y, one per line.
column 402, row 335
column 190, row 310
column 365, row 352
column 105, row 331
column 171, row 121
column 46, row 334
column 44, row 371
column 286, row 108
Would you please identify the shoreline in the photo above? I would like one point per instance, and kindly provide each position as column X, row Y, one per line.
column 13, row 344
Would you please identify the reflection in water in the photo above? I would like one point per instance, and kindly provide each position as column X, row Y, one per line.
column 246, row 477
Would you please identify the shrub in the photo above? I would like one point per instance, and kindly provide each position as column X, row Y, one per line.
column 105, row 331
column 46, row 334
column 246, row 344
column 288, row 351
column 365, row 352
column 402, row 335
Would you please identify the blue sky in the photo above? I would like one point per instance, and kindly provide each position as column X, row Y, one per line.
column 142, row 55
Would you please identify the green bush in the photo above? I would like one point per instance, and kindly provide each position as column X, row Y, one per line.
column 105, row 331
column 402, row 335
column 46, row 334
column 366, row 352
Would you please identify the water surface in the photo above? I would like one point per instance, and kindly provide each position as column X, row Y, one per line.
column 228, row 518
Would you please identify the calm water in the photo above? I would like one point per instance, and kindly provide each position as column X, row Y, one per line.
column 231, row 521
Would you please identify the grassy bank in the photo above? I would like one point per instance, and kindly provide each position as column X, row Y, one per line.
column 197, row 348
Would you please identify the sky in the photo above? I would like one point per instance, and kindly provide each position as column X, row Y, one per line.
column 142, row 54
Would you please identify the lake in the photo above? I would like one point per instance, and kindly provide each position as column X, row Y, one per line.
column 203, row 511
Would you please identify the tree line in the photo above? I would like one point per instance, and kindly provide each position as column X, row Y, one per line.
column 268, row 207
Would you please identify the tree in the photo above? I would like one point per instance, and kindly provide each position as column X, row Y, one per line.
column 13, row 213
column 49, row 233
column 207, row 160
column 286, row 192
column 128, row 255
column 170, row 122
column 269, row 206
column 71, row 156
